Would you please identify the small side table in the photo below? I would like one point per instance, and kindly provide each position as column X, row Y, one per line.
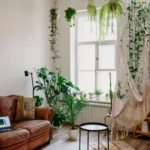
column 93, row 127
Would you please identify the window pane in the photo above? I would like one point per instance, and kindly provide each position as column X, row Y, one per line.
column 86, row 29
column 103, row 80
column 106, row 57
column 86, row 81
column 86, row 57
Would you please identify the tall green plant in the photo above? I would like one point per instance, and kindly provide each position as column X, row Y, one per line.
column 53, row 85
column 74, row 106
column 92, row 11
column 111, row 9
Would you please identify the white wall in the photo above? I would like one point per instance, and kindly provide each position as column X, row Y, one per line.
column 24, row 43
column 64, row 30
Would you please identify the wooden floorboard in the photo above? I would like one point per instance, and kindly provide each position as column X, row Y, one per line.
column 141, row 143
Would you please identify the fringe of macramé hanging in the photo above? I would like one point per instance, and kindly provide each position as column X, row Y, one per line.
column 118, row 132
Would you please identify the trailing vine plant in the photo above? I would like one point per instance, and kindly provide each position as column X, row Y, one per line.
column 110, row 9
column 54, row 13
column 92, row 11
column 138, row 17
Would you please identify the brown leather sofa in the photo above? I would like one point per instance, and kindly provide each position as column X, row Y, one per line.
column 30, row 134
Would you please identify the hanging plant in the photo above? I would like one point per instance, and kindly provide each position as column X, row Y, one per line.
column 92, row 11
column 54, row 14
column 70, row 15
column 110, row 10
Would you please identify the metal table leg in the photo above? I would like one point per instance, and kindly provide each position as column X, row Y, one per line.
column 108, row 137
column 88, row 140
column 98, row 140
column 79, row 138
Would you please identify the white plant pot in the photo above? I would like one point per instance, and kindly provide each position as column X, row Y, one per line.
column 73, row 134
column 98, row 97
column 144, row 126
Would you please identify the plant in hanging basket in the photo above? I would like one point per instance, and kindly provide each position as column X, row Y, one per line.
column 111, row 9
column 70, row 15
column 92, row 11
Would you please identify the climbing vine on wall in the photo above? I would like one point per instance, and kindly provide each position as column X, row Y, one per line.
column 138, row 17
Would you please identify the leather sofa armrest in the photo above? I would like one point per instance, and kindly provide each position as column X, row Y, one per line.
column 44, row 113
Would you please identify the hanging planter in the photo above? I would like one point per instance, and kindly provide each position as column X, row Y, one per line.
column 70, row 15
column 92, row 11
column 110, row 10
column 54, row 15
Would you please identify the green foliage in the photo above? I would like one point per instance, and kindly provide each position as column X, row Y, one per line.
column 98, row 92
column 73, row 107
column 138, row 17
column 91, row 93
column 38, row 101
column 70, row 15
column 53, row 86
column 92, row 11
column 59, row 118
column 110, row 90
column 110, row 10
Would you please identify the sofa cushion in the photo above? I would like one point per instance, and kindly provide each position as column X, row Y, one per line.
column 8, row 106
column 35, row 127
column 13, row 137
column 25, row 108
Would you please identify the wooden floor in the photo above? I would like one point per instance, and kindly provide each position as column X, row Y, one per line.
column 141, row 143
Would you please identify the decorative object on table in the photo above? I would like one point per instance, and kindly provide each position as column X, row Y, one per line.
column 110, row 92
column 38, row 101
column 70, row 15
column 110, row 9
column 73, row 106
column 27, row 74
column 92, row 11
column 93, row 127
column 54, row 14
column 91, row 95
column 98, row 93
column 53, row 85
column 107, row 96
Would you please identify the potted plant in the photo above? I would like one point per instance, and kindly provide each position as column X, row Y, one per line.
column 73, row 107
column 53, row 85
column 98, row 93
column 110, row 9
column 70, row 15
column 91, row 95
column 92, row 11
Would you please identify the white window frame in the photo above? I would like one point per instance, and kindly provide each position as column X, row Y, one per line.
column 96, row 43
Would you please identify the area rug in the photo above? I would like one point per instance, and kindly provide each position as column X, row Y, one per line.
column 65, row 144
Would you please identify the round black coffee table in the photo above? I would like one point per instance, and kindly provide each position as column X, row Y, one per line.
column 93, row 127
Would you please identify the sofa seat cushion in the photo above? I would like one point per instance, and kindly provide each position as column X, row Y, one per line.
column 35, row 127
column 13, row 137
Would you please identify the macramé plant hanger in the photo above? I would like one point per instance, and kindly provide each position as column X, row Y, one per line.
column 70, row 14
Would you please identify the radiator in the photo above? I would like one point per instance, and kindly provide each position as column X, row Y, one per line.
column 94, row 112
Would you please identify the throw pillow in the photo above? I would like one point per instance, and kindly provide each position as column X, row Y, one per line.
column 8, row 106
column 25, row 109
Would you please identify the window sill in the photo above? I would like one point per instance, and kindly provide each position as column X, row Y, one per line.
column 103, row 101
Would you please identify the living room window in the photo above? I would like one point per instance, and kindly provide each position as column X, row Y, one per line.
column 93, row 60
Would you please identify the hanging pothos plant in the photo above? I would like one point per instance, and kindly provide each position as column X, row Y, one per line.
column 70, row 15
column 92, row 11
column 54, row 13
column 110, row 10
